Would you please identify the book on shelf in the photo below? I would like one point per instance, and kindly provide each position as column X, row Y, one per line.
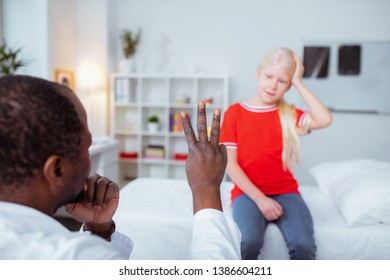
column 128, row 155
column 175, row 124
column 156, row 147
column 154, row 152
column 180, row 156
column 122, row 92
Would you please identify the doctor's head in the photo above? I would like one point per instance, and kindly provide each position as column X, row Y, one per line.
column 44, row 139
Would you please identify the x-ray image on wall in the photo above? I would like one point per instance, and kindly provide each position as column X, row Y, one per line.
column 316, row 62
column 349, row 60
column 357, row 74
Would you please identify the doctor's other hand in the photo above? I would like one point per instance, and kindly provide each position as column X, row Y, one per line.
column 98, row 202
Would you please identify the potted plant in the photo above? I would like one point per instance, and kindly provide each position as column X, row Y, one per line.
column 9, row 61
column 129, row 46
column 153, row 122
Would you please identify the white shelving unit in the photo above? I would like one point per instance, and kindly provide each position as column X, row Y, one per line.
column 136, row 97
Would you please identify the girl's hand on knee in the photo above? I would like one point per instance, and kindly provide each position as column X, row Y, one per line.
column 270, row 209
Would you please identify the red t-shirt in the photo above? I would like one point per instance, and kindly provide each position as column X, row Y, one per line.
column 256, row 133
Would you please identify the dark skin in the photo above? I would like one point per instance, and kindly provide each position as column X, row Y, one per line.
column 207, row 159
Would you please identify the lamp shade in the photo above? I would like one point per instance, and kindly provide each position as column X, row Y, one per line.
column 91, row 75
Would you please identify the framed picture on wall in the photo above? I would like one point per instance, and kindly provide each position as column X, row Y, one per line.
column 65, row 77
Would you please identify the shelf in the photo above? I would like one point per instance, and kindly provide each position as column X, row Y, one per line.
column 125, row 132
column 181, row 106
column 153, row 161
column 137, row 96
column 167, row 76
column 126, row 105
column 123, row 160
column 176, row 162
column 176, row 134
column 148, row 133
column 153, row 105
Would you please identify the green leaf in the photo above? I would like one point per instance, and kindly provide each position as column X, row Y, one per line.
column 9, row 61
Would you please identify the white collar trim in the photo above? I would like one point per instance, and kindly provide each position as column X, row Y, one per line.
column 258, row 109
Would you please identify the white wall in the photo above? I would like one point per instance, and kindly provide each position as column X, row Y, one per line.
column 92, row 46
column 351, row 136
column 25, row 26
column 231, row 37
column 45, row 30
column 1, row 19
column 62, row 34
column 78, row 35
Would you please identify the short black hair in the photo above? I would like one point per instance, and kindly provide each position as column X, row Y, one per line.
column 36, row 121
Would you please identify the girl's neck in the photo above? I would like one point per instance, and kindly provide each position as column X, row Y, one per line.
column 256, row 101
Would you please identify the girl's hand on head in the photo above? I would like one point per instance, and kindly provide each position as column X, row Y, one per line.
column 299, row 69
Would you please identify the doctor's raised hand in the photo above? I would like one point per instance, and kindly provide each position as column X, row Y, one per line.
column 207, row 159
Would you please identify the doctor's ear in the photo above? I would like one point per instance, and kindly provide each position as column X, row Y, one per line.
column 53, row 168
column 57, row 171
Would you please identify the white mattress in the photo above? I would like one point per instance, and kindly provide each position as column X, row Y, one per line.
column 157, row 215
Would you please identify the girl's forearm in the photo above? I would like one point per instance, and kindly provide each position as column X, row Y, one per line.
column 319, row 113
column 239, row 177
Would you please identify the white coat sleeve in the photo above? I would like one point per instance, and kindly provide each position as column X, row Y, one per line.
column 120, row 247
column 215, row 236
column 122, row 244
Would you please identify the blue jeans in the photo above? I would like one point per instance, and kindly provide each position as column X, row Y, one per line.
column 296, row 225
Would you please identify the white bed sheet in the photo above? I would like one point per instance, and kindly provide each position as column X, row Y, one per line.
column 157, row 215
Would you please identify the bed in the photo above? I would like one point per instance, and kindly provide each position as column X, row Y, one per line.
column 350, row 206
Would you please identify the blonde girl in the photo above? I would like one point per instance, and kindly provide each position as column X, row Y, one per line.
column 262, row 140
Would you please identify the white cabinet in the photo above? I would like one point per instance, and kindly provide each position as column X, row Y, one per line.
column 136, row 97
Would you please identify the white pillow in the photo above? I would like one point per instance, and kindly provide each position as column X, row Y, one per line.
column 360, row 189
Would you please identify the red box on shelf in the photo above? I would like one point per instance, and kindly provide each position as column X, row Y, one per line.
column 180, row 156
column 128, row 155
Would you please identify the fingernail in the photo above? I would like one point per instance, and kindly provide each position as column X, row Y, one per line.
column 183, row 114
column 217, row 112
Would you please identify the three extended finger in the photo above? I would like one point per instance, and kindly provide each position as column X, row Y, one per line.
column 202, row 123
column 215, row 128
column 188, row 131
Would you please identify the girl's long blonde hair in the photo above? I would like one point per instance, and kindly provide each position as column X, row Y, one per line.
column 287, row 112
